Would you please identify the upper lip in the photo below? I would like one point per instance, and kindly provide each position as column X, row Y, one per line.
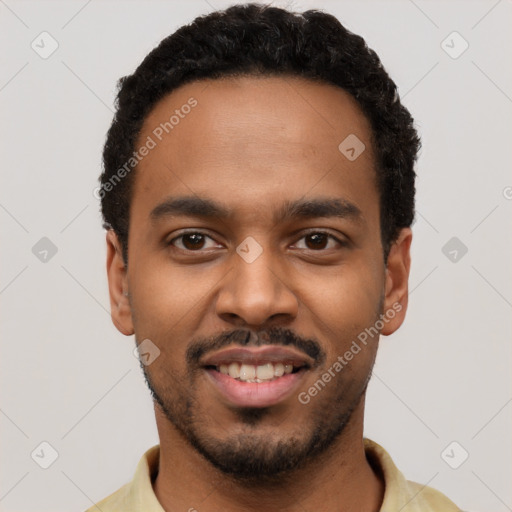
column 258, row 355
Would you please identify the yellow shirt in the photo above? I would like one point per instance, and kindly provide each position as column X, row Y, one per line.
column 400, row 495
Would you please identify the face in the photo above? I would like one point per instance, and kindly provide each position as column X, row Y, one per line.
column 255, row 267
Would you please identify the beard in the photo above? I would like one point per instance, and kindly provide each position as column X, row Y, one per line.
column 254, row 454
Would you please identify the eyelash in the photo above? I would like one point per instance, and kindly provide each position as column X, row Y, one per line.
column 312, row 232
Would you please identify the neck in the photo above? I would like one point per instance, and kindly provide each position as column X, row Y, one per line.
column 340, row 479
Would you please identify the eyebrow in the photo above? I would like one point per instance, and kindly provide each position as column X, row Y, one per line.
column 193, row 206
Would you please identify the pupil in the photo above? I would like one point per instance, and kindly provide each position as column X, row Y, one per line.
column 196, row 238
column 319, row 237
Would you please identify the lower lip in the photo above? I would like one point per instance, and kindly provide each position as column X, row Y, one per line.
column 255, row 394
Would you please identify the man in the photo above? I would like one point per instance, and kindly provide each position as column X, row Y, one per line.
column 258, row 192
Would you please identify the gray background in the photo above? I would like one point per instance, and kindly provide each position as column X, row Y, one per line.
column 70, row 379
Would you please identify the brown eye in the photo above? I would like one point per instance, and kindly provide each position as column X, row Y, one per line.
column 192, row 241
column 319, row 240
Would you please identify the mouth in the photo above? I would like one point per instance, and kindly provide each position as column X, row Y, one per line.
column 256, row 373
column 260, row 377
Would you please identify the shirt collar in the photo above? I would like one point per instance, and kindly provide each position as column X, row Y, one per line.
column 398, row 493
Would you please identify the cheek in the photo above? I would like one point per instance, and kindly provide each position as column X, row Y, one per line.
column 166, row 295
column 349, row 295
column 169, row 305
column 342, row 306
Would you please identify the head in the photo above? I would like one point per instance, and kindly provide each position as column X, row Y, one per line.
column 258, row 191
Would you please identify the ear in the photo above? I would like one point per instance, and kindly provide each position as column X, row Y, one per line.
column 397, row 282
column 118, row 286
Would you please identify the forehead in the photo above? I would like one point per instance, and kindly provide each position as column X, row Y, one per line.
column 252, row 141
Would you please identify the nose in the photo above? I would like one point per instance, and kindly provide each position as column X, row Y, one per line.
column 256, row 293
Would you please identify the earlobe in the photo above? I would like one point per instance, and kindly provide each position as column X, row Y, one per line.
column 118, row 286
column 397, row 282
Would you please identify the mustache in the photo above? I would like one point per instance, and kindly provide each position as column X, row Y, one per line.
column 245, row 337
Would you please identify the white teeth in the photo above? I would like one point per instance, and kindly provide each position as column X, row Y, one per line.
column 247, row 372
column 265, row 371
column 234, row 370
column 279, row 369
column 251, row 373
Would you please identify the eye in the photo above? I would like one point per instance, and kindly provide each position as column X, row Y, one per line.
column 319, row 240
column 191, row 241
column 195, row 241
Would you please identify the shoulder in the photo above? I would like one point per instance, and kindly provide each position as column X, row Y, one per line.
column 138, row 494
column 401, row 494
column 114, row 502
column 427, row 499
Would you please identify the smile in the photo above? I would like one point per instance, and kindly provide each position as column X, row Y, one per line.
column 266, row 372
column 259, row 377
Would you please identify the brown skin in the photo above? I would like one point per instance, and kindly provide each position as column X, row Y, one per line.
column 252, row 143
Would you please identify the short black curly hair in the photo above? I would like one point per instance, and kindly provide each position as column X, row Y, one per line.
column 255, row 39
